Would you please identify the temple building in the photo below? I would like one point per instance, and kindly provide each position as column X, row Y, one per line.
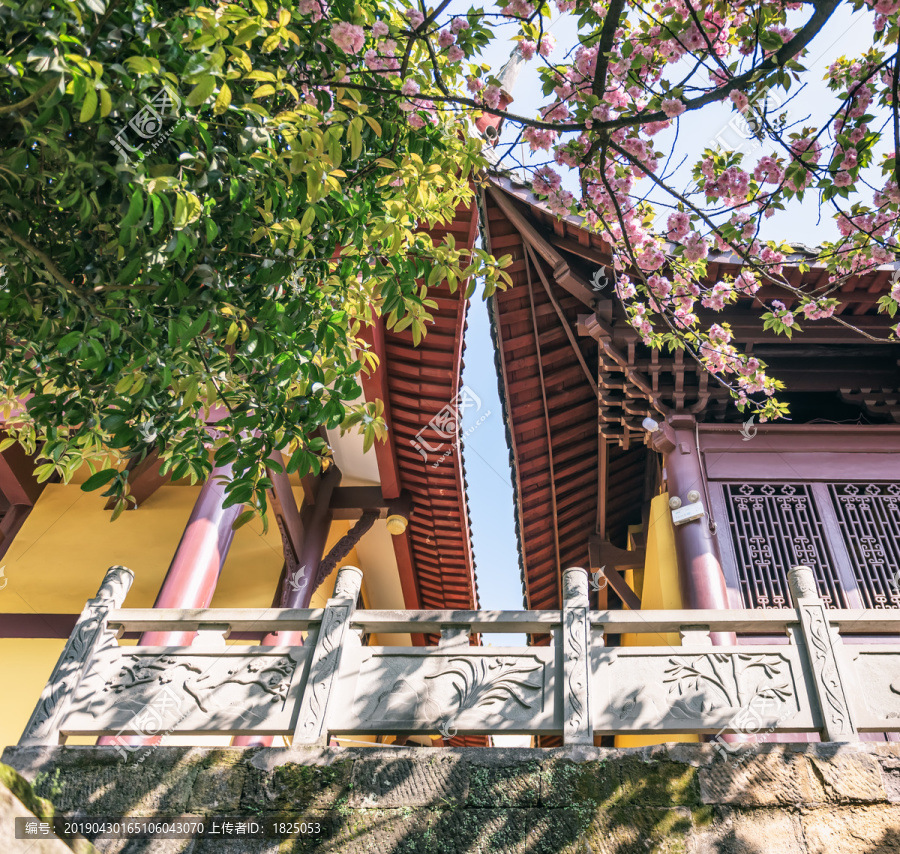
column 647, row 509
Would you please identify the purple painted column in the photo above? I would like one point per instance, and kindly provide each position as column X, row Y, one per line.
column 700, row 566
column 316, row 522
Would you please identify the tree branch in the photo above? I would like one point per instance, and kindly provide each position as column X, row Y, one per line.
column 42, row 256
column 607, row 37
column 27, row 102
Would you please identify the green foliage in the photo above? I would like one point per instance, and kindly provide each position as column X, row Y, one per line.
column 226, row 264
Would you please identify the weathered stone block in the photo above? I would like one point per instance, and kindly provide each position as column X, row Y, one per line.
column 297, row 787
column 763, row 831
column 219, row 782
column 502, row 785
column 848, row 776
column 763, row 777
column 386, row 781
column 565, row 782
column 853, row 830
column 890, row 776
column 638, row 830
column 99, row 781
column 659, row 783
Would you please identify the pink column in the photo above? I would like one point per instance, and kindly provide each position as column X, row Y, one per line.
column 191, row 579
column 194, row 571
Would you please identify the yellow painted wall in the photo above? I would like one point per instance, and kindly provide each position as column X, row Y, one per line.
column 60, row 555
column 659, row 590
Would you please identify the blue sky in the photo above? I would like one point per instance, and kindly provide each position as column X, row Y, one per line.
column 486, row 453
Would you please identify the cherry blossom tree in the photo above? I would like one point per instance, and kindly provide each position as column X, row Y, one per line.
column 637, row 69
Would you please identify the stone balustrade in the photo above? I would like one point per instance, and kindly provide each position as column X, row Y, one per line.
column 798, row 676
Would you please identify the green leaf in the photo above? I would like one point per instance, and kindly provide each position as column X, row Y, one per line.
column 89, row 107
column 69, row 342
column 199, row 94
column 101, row 478
column 243, row 519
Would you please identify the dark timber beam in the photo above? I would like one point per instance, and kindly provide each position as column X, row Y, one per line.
column 143, row 480
column 610, row 559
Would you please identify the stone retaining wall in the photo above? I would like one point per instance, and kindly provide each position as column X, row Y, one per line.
column 763, row 799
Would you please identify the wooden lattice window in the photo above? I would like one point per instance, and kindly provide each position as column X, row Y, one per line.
column 773, row 527
column 869, row 518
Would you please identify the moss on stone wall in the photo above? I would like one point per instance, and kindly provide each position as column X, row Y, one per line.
column 770, row 799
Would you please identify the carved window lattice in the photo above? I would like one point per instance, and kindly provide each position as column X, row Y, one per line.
column 869, row 518
column 775, row 526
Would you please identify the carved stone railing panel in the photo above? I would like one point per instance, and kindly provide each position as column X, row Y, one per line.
column 873, row 686
column 479, row 690
column 576, row 687
column 575, row 641
column 90, row 636
column 699, row 689
column 189, row 690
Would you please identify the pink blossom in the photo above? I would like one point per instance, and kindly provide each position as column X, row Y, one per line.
column 672, row 107
column 739, row 99
column 445, row 39
column 527, row 48
column 380, row 29
column 679, row 224
column 746, row 283
column 416, row 121
column 651, row 257
column 458, row 24
column 415, row 18
column 809, row 149
column 475, row 85
column 313, row 8
column 350, row 38
column 538, row 138
column 455, row 54
column 547, row 44
column 545, row 180
column 560, row 201
column 492, row 96
column 695, row 247
column 843, row 179
column 410, row 87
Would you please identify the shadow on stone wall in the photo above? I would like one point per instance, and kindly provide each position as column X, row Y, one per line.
column 764, row 799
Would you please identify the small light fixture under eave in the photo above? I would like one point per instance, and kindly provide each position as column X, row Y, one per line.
column 650, row 425
column 396, row 524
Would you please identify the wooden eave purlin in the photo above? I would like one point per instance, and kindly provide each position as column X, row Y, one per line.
column 550, row 400
column 434, row 554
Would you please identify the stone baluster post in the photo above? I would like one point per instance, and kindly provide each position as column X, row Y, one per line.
column 575, row 637
column 90, row 635
column 333, row 633
column 820, row 646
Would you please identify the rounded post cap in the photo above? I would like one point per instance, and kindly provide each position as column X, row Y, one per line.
column 116, row 584
column 349, row 581
column 575, row 582
column 802, row 581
